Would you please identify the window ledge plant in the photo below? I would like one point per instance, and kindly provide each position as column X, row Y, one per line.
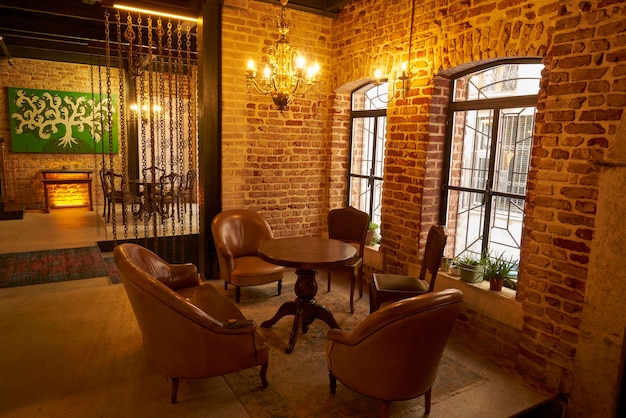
column 471, row 268
column 497, row 269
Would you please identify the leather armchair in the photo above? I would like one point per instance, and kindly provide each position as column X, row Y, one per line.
column 394, row 353
column 237, row 234
column 189, row 330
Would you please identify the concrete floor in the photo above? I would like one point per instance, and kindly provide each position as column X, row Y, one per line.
column 503, row 394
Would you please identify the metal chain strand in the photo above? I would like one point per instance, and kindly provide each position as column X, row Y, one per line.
column 129, row 35
column 109, row 124
column 126, row 194
column 191, row 92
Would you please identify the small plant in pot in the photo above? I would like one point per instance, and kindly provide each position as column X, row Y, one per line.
column 471, row 268
column 372, row 237
column 497, row 269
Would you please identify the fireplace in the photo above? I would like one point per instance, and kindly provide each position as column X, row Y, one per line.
column 67, row 188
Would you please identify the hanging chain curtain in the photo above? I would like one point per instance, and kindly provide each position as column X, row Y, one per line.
column 156, row 63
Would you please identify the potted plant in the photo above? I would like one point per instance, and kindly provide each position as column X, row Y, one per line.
column 454, row 267
column 471, row 268
column 372, row 237
column 497, row 269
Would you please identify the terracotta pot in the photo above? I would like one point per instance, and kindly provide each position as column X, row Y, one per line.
column 496, row 284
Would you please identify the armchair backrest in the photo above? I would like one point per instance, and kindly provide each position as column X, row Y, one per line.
column 395, row 352
column 349, row 225
column 241, row 231
column 435, row 246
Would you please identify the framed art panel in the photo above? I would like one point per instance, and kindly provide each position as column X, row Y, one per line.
column 51, row 121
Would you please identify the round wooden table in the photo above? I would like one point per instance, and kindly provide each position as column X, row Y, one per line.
column 305, row 254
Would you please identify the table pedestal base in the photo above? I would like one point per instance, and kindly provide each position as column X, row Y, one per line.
column 305, row 308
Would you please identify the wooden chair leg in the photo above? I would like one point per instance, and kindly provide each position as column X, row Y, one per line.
column 328, row 281
column 175, row 382
column 280, row 286
column 237, row 294
column 264, row 375
column 352, row 284
column 427, row 398
column 384, row 409
column 333, row 383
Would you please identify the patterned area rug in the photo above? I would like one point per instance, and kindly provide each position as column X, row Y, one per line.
column 299, row 383
column 37, row 267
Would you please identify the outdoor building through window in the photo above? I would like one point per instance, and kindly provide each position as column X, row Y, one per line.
column 489, row 142
column 368, row 118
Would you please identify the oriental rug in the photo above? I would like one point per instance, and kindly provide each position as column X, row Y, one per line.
column 298, row 382
column 37, row 267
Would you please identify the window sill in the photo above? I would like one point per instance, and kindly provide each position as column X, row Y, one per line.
column 499, row 305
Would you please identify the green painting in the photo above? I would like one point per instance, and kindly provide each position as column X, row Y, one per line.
column 62, row 122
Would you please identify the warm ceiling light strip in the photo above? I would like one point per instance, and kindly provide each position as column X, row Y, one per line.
column 154, row 12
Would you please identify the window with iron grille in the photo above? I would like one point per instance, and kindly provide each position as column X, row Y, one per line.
column 488, row 148
column 368, row 121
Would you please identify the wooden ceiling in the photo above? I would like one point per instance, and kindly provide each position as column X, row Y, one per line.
column 74, row 30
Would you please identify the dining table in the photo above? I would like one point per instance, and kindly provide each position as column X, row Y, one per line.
column 150, row 200
column 306, row 255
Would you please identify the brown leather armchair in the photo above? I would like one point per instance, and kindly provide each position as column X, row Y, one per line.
column 237, row 234
column 189, row 330
column 394, row 353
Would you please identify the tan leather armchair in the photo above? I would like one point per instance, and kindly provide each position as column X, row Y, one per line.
column 237, row 234
column 189, row 330
column 394, row 353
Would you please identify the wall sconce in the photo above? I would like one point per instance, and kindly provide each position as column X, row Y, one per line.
column 404, row 80
column 285, row 76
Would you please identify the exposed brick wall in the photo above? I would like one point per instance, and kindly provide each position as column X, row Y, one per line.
column 23, row 176
column 581, row 101
column 275, row 163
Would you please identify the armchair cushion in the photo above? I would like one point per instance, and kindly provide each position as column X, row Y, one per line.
column 400, row 282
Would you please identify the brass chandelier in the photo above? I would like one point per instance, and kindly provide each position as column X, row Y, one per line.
column 285, row 75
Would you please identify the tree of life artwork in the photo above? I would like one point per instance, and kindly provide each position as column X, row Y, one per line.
column 62, row 122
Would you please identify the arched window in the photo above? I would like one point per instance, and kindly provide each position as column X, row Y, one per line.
column 368, row 120
column 489, row 142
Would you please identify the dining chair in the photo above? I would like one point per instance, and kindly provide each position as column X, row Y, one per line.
column 394, row 354
column 113, row 193
column 349, row 225
column 238, row 234
column 169, row 194
column 393, row 287
column 188, row 189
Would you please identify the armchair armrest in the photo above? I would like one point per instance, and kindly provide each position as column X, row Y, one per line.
column 182, row 276
column 239, row 323
column 227, row 256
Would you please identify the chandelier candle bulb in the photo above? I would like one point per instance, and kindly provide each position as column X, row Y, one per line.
column 286, row 75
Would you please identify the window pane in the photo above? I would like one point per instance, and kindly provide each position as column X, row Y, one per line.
column 514, row 150
column 362, row 145
column 371, row 97
column 466, row 216
column 506, row 227
column 470, row 148
column 505, row 80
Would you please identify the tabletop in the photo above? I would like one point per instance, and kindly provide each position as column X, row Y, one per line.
column 305, row 252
